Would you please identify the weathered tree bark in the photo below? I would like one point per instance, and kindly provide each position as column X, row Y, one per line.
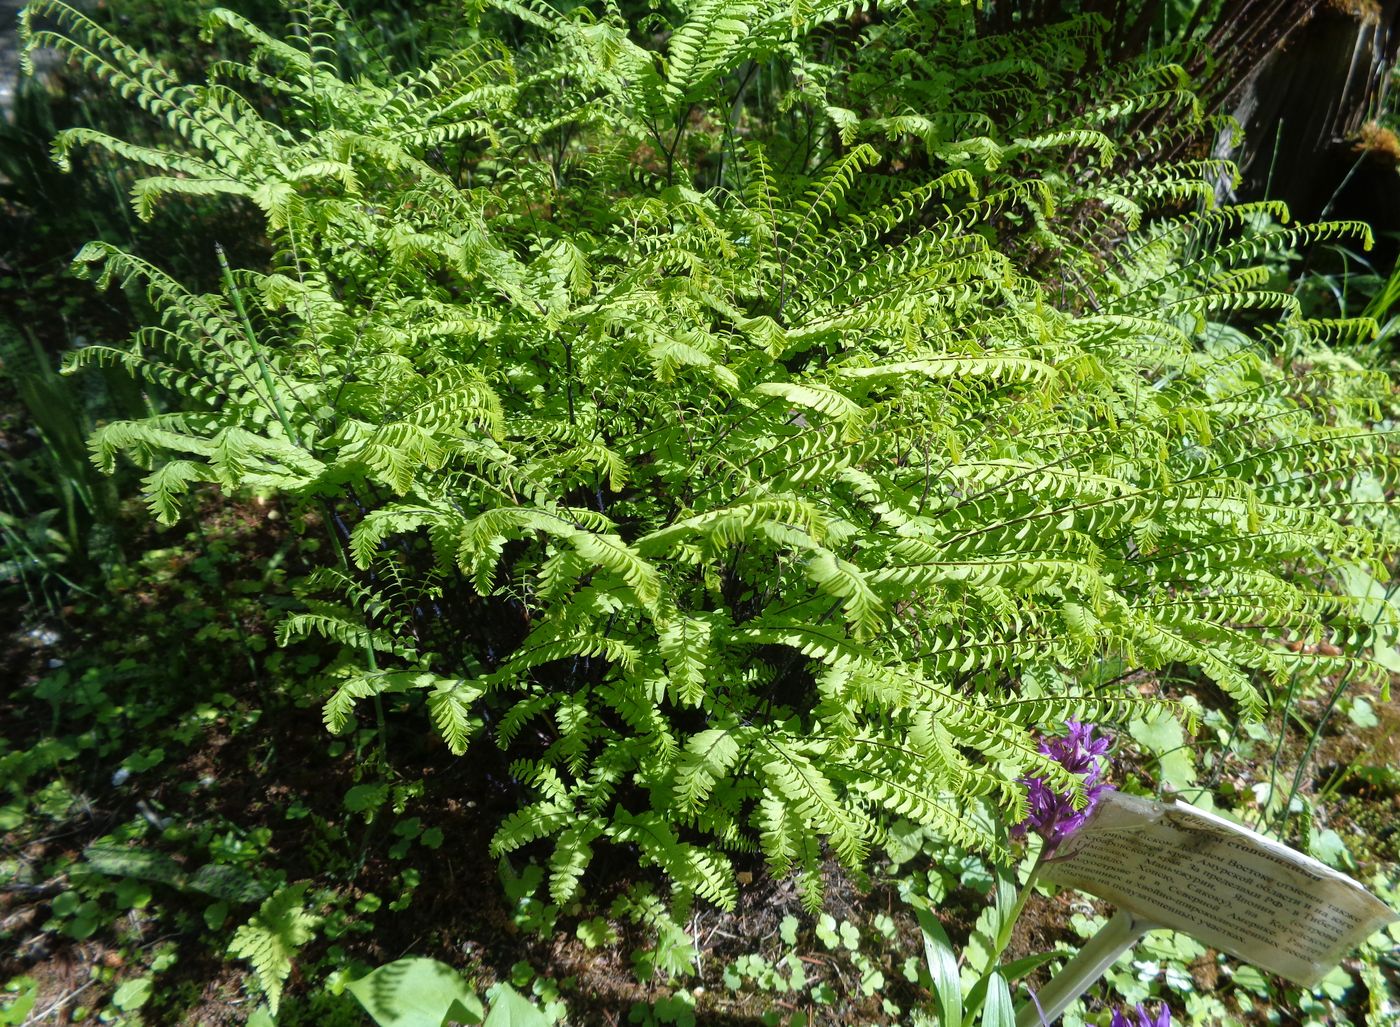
column 1304, row 77
column 1306, row 108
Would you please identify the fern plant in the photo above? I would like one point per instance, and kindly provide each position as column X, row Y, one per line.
column 271, row 938
column 754, row 439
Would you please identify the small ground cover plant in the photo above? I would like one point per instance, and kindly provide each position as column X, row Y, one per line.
column 745, row 433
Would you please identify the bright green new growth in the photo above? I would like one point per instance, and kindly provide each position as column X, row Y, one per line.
column 272, row 937
column 757, row 437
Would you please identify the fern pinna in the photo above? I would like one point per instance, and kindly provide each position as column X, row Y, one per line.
column 757, row 439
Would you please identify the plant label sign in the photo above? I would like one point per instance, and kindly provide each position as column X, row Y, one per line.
column 1173, row 865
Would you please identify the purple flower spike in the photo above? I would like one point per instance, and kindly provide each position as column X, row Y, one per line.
column 1141, row 1018
column 1078, row 751
column 1052, row 814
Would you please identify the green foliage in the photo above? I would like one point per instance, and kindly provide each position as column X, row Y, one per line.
column 732, row 438
column 271, row 938
column 674, row 954
column 414, row 992
column 56, row 514
column 18, row 1007
column 509, row 1008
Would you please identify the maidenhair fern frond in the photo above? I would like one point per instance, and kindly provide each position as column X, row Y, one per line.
column 732, row 437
